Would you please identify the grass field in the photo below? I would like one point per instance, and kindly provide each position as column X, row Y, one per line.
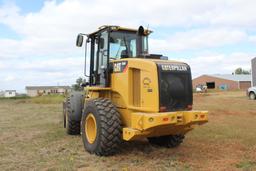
column 32, row 138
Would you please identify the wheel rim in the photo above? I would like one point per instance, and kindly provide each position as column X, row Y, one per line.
column 90, row 128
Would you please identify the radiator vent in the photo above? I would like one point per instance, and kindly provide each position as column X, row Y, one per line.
column 136, row 87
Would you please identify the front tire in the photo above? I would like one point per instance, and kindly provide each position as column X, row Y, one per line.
column 252, row 96
column 169, row 141
column 101, row 127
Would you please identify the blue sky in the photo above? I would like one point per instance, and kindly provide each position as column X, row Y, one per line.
column 37, row 38
column 26, row 6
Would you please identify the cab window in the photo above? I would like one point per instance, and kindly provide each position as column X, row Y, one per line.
column 122, row 45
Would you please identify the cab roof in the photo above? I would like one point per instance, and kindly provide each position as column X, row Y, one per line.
column 118, row 28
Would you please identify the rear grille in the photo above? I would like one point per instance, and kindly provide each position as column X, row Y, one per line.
column 175, row 87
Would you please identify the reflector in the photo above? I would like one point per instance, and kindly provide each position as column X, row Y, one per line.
column 202, row 116
column 165, row 119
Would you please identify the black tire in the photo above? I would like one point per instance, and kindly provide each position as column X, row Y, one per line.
column 73, row 113
column 169, row 141
column 252, row 96
column 64, row 115
column 108, row 124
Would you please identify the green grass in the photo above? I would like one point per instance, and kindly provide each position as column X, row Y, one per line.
column 48, row 99
column 15, row 98
column 33, row 138
column 246, row 165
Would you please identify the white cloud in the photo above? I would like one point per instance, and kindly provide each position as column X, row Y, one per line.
column 17, row 74
column 46, row 45
column 2, row 66
column 52, row 30
column 252, row 39
column 198, row 39
column 61, row 64
column 218, row 63
column 9, row 78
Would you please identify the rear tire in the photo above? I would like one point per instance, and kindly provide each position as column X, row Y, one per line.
column 252, row 96
column 101, row 127
column 169, row 141
column 72, row 112
column 64, row 114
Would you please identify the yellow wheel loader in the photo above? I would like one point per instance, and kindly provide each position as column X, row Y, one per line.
column 130, row 94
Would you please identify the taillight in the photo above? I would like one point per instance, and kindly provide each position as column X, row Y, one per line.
column 165, row 119
column 163, row 109
column 189, row 107
column 202, row 116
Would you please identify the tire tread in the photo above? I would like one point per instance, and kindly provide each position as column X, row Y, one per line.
column 110, row 126
column 73, row 127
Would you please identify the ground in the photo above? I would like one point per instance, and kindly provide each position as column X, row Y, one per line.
column 32, row 138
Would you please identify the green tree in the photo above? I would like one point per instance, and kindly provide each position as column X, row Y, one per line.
column 78, row 85
column 239, row 71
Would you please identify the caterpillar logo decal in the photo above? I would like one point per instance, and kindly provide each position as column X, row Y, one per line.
column 120, row 66
column 147, row 84
column 174, row 67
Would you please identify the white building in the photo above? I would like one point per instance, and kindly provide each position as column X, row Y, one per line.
column 1, row 93
column 10, row 93
column 33, row 91
column 254, row 71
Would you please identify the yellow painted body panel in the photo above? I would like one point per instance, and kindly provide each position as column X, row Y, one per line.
column 122, row 83
column 156, row 124
column 135, row 93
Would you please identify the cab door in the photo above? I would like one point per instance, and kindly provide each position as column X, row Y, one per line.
column 100, row 71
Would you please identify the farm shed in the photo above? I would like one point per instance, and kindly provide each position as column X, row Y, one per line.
column 223, row 81
column 9, row 93
column 2, row 93
column 254, row 71
column 46, row 90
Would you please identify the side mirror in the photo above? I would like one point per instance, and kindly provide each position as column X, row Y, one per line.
column 101, row 43
column 79, row 40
